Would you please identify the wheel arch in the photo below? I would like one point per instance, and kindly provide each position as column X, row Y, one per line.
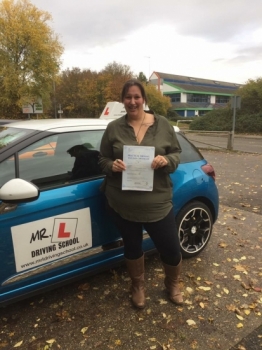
column 207, row 202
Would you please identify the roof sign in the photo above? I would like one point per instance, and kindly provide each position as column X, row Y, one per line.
column 113, row 110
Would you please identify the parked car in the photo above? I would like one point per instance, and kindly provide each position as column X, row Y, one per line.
column 53, row 224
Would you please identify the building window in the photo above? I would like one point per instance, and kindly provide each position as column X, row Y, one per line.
column 198, row 98
column 222, row 99
column 174, row 97
column 181, row 113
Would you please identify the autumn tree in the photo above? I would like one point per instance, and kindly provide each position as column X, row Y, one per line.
column 116, row 75
column 72, row 90
column 29, row 55
column 84, row 93
column 156, row 101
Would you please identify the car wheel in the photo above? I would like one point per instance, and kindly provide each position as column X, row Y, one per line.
column 194, row 223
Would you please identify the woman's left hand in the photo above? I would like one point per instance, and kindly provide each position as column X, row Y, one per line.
column 159, row 162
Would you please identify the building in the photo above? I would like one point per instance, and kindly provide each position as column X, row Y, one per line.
column 193, row 96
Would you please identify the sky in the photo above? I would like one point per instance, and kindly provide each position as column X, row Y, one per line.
column 211, row 39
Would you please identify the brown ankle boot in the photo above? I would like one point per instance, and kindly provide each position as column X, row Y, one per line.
column 172, row 282
column 136, row 272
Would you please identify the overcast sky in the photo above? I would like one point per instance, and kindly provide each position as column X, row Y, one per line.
column 213, row 39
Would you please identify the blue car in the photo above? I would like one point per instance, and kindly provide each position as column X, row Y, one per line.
column 53, row 222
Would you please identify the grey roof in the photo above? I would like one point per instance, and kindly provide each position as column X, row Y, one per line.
column 188, row 83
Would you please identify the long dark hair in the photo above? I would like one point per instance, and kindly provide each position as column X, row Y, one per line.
column 133, row 82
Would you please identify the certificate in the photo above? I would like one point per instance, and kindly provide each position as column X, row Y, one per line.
column 139, row 175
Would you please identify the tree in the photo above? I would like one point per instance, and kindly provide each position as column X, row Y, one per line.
column 29, row 55
column 156, row 101
column 251, row 96
column 141, row 77
column 72, row 91
column 84, row 93
column 116, row 75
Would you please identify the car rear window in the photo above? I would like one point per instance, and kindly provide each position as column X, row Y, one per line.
column 189, row 152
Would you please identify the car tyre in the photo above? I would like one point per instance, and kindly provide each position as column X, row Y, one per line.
column 194, row 224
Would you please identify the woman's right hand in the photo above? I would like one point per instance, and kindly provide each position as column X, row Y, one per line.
column 118, row 166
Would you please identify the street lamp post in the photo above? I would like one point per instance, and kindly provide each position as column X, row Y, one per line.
column 54, row 98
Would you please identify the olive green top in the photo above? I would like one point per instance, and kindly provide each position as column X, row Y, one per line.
column 140, row 206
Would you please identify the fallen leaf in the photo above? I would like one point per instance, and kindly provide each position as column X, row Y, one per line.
column 190, row 290
column 240, row 268
column 83, row 330
column 204, row 288
column 191, row 322
column 202, row 305
column 237, row 311
column 245, row 286
column 237, row 277
column 138, row 334
column 240, row 317
column 208, row 283
column 231, row 307
column 18, row 344
column 162, row 301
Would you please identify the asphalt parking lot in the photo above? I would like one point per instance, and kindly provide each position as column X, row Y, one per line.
column 222, row 288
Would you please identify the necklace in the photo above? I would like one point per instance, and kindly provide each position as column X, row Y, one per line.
column 140, row 127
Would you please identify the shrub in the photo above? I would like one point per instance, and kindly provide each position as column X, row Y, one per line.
column 222, row 120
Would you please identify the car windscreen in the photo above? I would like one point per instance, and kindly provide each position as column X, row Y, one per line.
column 9, row 135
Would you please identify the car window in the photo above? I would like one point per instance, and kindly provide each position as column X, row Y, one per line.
column 7, row 170
column 9, row 135
column 189, row 152
column 58, row 159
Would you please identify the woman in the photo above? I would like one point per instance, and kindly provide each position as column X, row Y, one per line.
column 152, row 210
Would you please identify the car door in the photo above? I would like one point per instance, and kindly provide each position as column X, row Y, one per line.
column 51, row 238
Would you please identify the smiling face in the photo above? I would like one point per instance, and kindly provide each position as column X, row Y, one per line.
column 133, row 102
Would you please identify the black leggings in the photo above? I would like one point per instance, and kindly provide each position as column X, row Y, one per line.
column 163, row 233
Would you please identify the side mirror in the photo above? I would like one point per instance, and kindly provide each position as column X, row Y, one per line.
column 18, row 191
